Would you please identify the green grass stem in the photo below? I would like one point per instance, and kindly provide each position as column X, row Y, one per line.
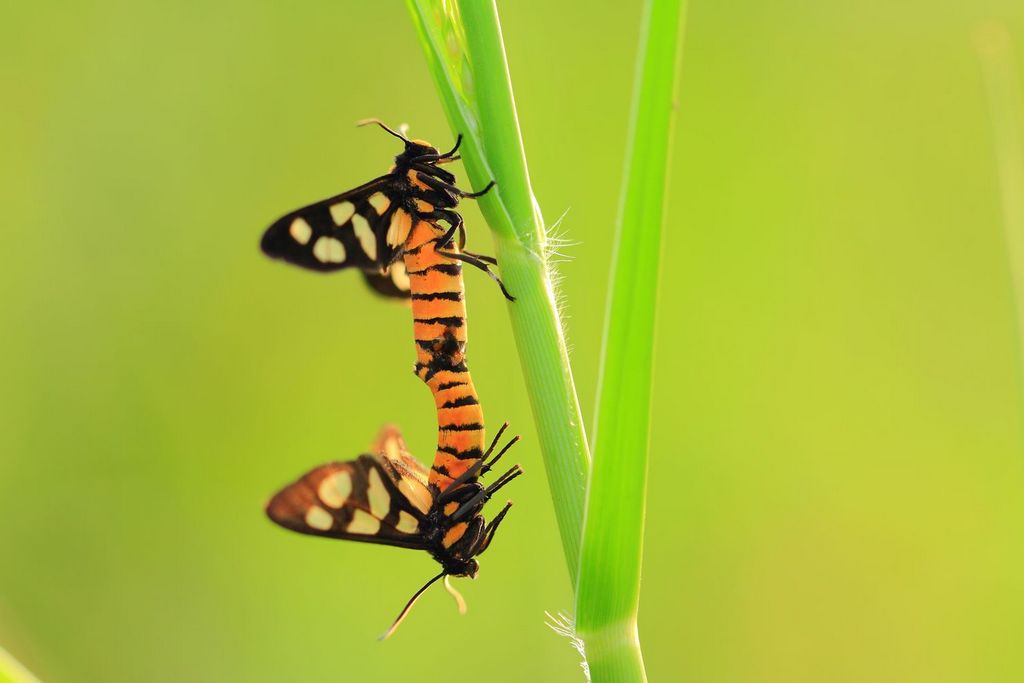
column 466, row 55
column 471, row 74
column 608, row 591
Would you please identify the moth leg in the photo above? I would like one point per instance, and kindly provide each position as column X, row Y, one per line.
column 477, row 263
column 454, row 220
column 480, row 467
column 451, row 153
column 435, row 177
column 471, row 538
column 482, row 497
column 481, row 193
column 426, row 175
column 431, row 158
column 483, row 257
column 503, row 479
column 512, row 442
column 491, row 528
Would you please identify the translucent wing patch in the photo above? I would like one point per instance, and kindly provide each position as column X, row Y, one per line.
column 408, row 474
column 359, row 500
column 349, row 230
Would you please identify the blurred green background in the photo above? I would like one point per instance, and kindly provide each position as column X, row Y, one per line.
column 835, row 486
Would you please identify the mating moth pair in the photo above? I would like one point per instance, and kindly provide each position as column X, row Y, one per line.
column 403, row 232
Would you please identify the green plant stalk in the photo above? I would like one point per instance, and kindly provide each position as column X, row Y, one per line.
column 1006, row 108
column 471, row 74
column 608, row 591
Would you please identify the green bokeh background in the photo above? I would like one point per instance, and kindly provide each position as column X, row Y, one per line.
column 837, row 464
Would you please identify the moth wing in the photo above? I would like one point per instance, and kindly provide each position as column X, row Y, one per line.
column 391, row 284
column 358, row 500
column 408, row 473
column 349, row 230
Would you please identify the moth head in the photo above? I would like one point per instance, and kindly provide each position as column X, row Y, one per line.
column 471, row 568
column 459, row 567
column 414, row 149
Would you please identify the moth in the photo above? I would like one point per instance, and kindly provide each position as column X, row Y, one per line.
column 367, row 227
column 385, row 497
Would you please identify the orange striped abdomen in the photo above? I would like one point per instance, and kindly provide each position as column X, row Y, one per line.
column 439, row 326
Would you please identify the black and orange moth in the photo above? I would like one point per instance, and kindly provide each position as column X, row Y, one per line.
column 385, row 497
column 368, row 227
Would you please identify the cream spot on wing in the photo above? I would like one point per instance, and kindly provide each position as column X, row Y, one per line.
column 398, row 230
column 380, row 501
column 329, row 250
column 380, row 202
column 407, row 523
column 367, row 240
column 318, row 518
column 363, row 523
column 300, row 230
column 341, row 212
column 335, row 489
column 415, row 493
column 400, row 276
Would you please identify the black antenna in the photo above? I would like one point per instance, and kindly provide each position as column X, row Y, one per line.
column 408, row 606
column 366, row 122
